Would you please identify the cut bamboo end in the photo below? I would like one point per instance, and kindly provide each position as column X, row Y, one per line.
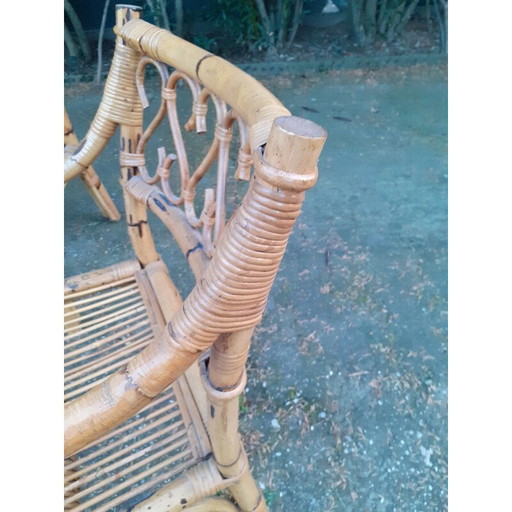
column 129, row 6
column 124, row 13
column 294, row 144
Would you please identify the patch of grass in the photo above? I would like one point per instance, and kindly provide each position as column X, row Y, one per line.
column 270, row 496
column 242, row 405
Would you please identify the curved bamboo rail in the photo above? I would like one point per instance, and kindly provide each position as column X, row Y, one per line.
column 121, row 104
column 250, row 99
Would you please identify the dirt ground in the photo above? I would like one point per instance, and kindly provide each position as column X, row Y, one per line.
column 346, row 403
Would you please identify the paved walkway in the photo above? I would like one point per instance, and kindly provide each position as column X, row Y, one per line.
column 346, row 406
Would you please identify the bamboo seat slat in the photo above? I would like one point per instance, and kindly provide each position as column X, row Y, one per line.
column 101, row 313
column 154, row 482
column 75, row 300
column 130, row 483
column 114, row 355
column 109, row 319
column 157, row 450
column 86, row 360
column 120, row 453
column 94, row 305
column 103, row 337
column 70, row 293
column 158, row 408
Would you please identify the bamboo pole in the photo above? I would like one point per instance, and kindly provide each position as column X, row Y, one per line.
column 191, row 389
column 227, row 359
column 174, row 219
column 130, row 134
column 229, row 352
column 228, row 450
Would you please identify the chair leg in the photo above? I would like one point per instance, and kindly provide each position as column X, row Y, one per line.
column 99, row 194
column 228, row 450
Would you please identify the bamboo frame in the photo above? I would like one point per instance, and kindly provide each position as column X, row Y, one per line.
column 234, row 264
column 89, row 176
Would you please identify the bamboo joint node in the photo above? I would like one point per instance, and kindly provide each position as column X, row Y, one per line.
column 127, row 159
column 279, row 178
column 168, row 94
column 216, row 395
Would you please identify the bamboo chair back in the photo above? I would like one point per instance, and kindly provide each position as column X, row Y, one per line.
column 234, row 262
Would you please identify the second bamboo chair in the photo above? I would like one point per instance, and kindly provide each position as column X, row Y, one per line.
column 91, row 180
column 152, row 382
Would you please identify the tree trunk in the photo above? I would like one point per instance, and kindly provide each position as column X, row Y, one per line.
column 165, row 19
column 406, row 16
column 268, row 27
column 179, row 17
column 280, row 26
column 428, row 15
column 297, row 14
column 442, row 24
column 70, row 44
column 79, row 30
column 394, row 20
column 100, row 41
column 371, row 20
column 354, row 16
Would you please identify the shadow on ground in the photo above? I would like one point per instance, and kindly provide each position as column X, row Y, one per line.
column 346, row 405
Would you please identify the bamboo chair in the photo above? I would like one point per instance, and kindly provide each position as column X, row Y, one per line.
column 88, row 176
column 152, row 383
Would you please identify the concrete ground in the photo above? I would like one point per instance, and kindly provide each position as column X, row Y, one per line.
column 346, row 404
